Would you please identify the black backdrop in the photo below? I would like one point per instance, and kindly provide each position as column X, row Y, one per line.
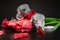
column 50, row 8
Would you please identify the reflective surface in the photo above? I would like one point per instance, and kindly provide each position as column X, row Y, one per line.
column 32, row 36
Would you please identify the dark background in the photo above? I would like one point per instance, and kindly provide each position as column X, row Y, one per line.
column 50, row 8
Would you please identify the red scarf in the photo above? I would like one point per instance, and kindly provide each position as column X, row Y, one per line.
column 30, row 15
